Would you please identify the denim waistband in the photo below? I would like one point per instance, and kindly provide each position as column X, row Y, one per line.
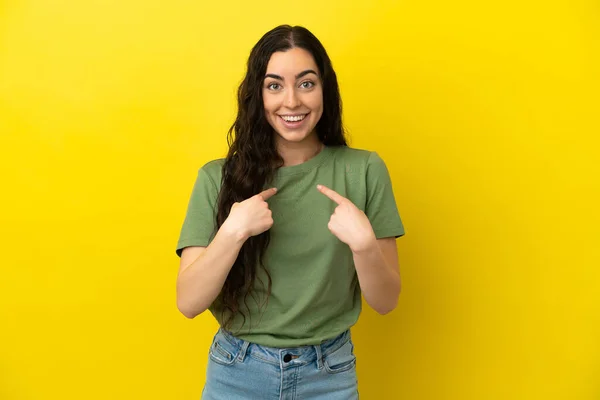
column 299, row 355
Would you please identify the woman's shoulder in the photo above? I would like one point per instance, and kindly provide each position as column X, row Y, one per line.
column 355, row 155
column 213, row 169
column 217, row 163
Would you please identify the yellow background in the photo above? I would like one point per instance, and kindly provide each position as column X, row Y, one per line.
column 487, row 115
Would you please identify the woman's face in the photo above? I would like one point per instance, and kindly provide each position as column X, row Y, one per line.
column 293, row 95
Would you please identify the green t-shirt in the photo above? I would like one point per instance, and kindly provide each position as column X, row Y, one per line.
column 315, row 290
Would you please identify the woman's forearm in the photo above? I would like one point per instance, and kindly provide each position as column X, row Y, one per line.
column 379, row 282
column 199, row 284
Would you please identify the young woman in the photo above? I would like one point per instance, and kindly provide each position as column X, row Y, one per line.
column 283, row 236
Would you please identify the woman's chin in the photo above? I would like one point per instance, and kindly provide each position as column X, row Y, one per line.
column 291, row 136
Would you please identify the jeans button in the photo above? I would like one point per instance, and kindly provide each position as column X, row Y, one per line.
column 287, row 358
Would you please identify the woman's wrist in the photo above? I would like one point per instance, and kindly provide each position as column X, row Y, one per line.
column 233, row 233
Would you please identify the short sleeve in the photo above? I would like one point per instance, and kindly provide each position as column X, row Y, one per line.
column 199, row 224
column 381, row 206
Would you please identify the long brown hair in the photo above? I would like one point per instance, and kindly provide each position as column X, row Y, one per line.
column 253, row 159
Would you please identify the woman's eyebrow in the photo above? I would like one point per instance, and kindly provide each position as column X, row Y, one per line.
column 298, row 76
column 303, row 73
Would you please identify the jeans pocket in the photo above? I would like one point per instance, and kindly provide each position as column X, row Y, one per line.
column 222, row 351
column 340, row 360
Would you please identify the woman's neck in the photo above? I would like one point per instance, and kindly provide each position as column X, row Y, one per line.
column 298, row 153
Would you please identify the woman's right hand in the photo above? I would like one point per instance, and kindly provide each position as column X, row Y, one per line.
column 252, row 216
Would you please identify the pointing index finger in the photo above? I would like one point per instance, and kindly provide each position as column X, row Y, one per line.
column 332, row 194
column 267, row 194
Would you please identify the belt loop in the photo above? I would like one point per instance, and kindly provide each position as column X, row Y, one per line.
column 243, row 351
column 319, row 356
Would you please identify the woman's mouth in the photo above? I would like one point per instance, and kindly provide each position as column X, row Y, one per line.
column 293, row 121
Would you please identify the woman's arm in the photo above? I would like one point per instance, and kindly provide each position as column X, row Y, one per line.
column 378, row 274
column 375, row 260
column 203, row 271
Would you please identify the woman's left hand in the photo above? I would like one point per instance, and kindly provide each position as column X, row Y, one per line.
column 348, row 223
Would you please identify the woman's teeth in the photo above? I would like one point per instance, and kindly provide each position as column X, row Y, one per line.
column 294, row 118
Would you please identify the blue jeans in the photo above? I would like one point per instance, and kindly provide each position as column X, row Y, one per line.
column 238, row 369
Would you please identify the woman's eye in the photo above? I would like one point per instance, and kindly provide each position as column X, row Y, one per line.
column 274, row 86
column 307, row 85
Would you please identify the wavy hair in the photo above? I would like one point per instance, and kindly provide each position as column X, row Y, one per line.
column 252, row 158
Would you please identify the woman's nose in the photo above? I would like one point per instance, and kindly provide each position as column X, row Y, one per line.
column 291, row 99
